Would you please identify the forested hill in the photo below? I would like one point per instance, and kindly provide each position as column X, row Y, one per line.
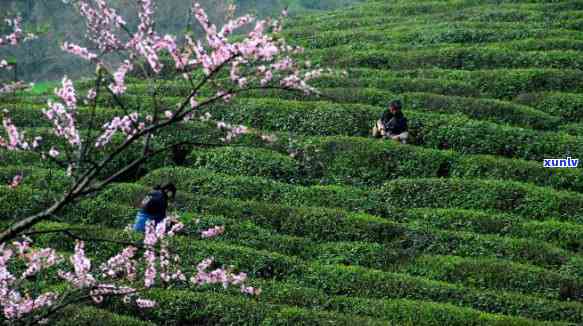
column 57, row 21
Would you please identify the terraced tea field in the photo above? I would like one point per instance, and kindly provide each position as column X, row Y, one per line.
column 462, row 226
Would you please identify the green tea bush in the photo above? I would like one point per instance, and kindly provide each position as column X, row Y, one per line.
column 318, row 223
column 396, row 310
column 307, row 118
column 449, row 58
column 207, row 308
column 394, row 84
column 247, row 161
column 357, row 161
column 479, row 137
column 490, row 273
column 523, row 199
column 565, row 235
column 492, row 167
column 497, row 83
column 566, row 106
column 35, row 177
column 18, row 202
column 271, row 265
column 529, row 201
column 573, row 129
column 86, row 315
column 261, row 226
column 547, row 44
column 205, row 183
column 481, row 109
column 361, row 282
column 440, row 131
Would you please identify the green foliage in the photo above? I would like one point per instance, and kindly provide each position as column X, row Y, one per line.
column 254, row 188
column 489, row 274
column 495, row 111
column 439, row 131
column 365, row 282
column 563, row 234
column 355, row 281
column 453, row 57
column 185, row 307
column 496, row 83
column 567, row 106
column 86, row 315
column 247, row 161
column 462, row 226
column 532, row 202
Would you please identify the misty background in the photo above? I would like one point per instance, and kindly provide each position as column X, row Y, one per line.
column 56, row 21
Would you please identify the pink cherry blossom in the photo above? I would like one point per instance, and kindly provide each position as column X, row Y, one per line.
column 102, row 24
column 53, row 152
column 143, row 303
column 79, row 51
column 21, row 246
column 91, row 94
column 63, row 117
column 17, row 306
column 99, row 291
column 213, row 232
column 39, row 260
column 16, row 139
column 17, row 34
column 175, row 229
column 64, row 122
column 16, row 181
column 67, row 93
column 250, row 290
column 118, row 87
column 128, row 125
column 150, row 273
column 121, row 264
column 82, row 277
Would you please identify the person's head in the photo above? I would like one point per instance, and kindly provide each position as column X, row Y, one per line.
column 167, row 189
column 395, row 106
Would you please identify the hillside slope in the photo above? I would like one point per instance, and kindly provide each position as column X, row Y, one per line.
column 462, row 226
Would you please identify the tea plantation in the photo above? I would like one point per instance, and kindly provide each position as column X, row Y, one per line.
column 461, row 226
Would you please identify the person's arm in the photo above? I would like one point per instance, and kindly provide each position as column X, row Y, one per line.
column 386, row 118
column 392, row 125
column 399, row 125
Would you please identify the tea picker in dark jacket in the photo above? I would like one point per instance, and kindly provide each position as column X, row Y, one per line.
column 154, row 206
column 392, row 124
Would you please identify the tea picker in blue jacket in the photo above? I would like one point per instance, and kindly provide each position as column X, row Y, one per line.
column 154, row 205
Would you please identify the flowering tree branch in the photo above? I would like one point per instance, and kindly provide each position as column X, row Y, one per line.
column 126, row 274
column 259, row 61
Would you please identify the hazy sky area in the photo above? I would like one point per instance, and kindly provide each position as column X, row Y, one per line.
column 56, row 22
